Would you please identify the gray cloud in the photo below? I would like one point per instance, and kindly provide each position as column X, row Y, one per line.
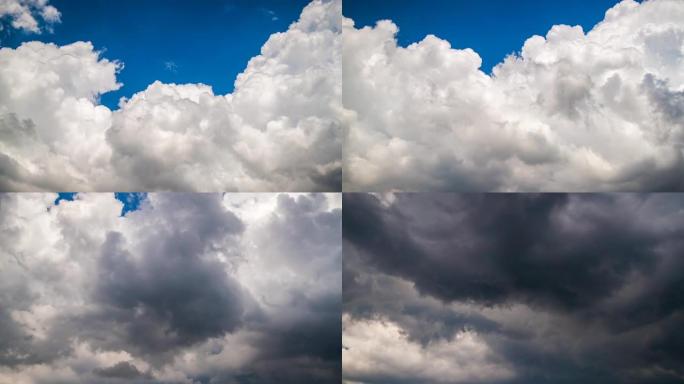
column 171, row 297
column 559, row 288
column 121, row 370
column 190, row 288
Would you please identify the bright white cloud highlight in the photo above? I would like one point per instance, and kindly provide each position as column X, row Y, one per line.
column 381, row 350
column 189, row 286
column 278, row 130
column 572, row 111
column 27, row 15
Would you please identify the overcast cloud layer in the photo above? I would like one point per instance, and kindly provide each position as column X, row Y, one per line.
column 572, row 111
column 278, row 130
column 445, row 288
column 190, row 288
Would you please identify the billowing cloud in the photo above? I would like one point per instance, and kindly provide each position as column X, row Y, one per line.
column 544, row 288
column 277, row 131
column 27, row 15
column 189, row 288
column 464, row 358
column 572, row 111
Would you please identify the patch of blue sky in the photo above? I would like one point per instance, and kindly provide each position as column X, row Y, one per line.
column 173, row 41
column 493, row 28
column 131, row 200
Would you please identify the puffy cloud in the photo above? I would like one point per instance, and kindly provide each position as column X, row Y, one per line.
column 465, row 358
column 556, row 288
column 277, row 131
column 53, row 131
column 22, row 14
column 572, row 111
column 189, row 288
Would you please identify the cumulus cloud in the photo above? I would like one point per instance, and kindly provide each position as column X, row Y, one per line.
column 464, row 358
column 189, row 288
column 571, row 111
column 27, row 15
column 277, row 131
column 544, row 288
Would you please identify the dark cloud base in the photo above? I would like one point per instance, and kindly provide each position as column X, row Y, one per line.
column 166, row 282
column 607, row 268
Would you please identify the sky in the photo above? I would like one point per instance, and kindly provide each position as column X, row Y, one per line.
column 131, row 200
column 173, row 41
column 494, row 28
column 512, row 288
column 221, row 96
column 184, row 288
column 584, row 96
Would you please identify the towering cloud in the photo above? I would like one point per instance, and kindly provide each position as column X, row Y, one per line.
column 190, row 288
column 572, row 111
column 278, row 130
column 513, row 288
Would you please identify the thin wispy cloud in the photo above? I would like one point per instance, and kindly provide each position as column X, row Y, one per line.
column 270, row 13
column 171, row 66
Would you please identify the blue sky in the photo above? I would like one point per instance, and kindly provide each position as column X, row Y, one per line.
column 131, row 201
column 493, row 28
column 180, row 41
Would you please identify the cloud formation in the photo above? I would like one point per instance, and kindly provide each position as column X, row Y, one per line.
column 27, row 15
column 547, row 288
column 190, row 288
column 571, row 111
column 277, row 131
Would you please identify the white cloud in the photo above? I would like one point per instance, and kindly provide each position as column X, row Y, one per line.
column 52, row 129
column 22, row 14
column 187, row 286
column 571, row 112
column 380, row 350
column 278, row 130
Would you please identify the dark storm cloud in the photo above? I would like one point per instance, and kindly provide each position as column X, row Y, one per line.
column 306, row 349
column 491, row 248
column 168, row 299
column 606, row 268
column 303, row 345
column 185, row 288
column 173, row 293
column 314, row 335
column 122, row 370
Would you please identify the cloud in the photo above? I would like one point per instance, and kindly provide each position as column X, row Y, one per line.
column 171, row 66
column 277, row 131
column 461, row 359
column 22, row 14
column 121, row 370
column 557, row 288
column 188, row 288
column 572, row 111
column 55, row 146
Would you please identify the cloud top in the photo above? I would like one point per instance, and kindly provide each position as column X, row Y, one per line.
column 189, row 288
column 277, row 131
column 571, row 111
column 27, row 15
column 539, row 288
